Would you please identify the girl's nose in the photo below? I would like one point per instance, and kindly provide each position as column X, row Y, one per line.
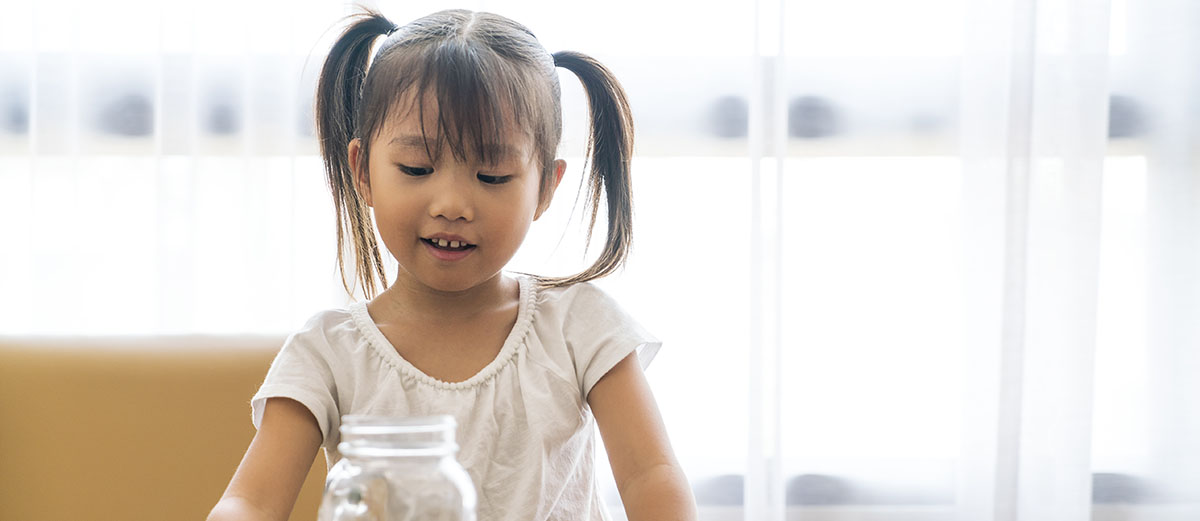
column 451, row 200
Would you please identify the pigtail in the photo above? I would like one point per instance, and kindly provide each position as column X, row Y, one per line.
column 339, row 91
column 609, row 150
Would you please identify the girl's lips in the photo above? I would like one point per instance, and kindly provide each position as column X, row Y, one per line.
column 447, row 255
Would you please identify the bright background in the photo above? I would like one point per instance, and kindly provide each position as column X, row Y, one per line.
column 933, row 259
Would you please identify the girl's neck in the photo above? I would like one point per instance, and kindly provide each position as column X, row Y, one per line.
column 408, row 297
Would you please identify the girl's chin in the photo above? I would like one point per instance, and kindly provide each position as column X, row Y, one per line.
column 453, row 283
column 449, row 286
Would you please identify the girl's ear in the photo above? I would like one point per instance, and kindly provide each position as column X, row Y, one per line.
column 362, row 181
column 560, row 166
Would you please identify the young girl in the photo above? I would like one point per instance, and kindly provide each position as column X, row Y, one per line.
column 444, row 143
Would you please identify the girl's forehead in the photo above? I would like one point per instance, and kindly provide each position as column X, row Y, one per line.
column 420, row 126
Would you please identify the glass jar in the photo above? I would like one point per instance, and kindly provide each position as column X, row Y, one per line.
column 398, row 469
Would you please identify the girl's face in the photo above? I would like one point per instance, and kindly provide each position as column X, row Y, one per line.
column 451, row 224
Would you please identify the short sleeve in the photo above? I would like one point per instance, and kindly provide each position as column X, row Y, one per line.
column 302, row 371
column 601, row 334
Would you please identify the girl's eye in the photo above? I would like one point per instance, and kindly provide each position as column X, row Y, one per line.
column 494, row 179
column 415, row 171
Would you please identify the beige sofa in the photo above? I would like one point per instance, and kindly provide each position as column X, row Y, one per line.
column 132, row 429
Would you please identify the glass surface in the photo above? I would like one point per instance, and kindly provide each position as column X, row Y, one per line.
column 398, row 469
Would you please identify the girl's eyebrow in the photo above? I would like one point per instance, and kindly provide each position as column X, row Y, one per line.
column 498, row 151
column 408, row 141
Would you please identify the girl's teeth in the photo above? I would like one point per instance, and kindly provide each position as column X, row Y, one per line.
column 443, row 243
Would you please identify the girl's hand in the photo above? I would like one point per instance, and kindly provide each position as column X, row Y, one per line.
column 269, row 478
column 651, row 483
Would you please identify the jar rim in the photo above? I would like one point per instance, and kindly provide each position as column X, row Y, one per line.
column 440, row 451
column 370, row 424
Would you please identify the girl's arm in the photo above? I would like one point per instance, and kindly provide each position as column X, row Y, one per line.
column 267, row 482
column 651, row 483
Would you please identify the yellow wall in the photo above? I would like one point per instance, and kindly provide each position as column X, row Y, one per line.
column 129, row 428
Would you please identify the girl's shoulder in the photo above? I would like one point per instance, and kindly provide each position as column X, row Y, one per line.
column 582, row 309
column 329, row 319
column 579, row 297
column 329, row 328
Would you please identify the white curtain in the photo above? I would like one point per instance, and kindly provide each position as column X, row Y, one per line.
column 926, row 260
column 1034, row 129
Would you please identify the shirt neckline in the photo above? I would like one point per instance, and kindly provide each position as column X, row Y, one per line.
column 516, row 337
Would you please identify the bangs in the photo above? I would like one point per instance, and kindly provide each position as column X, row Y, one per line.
column 480, row 100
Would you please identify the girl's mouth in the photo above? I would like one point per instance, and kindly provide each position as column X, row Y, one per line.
column 444, row 245
column 448, row 251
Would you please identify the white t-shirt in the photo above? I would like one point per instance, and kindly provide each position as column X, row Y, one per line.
column 525, row 431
